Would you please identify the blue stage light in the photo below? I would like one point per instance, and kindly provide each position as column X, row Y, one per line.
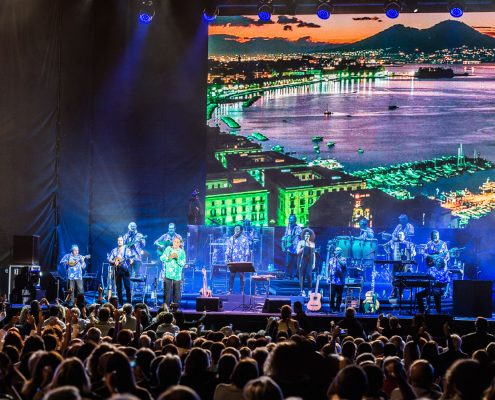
column 265, row 11
column 324, row 9
column 211, row 11
column 392, row 9
column 146, row 12
column 456, row 9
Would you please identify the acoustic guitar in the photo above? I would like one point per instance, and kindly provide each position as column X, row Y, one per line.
column 205, row 291
column 314, row 302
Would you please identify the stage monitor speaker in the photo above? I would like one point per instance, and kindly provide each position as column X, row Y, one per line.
column 209, row 304
column 26, row 250
column 473, row 299
column 274, row 305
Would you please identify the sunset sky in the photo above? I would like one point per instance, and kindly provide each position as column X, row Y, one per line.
column 340, row 28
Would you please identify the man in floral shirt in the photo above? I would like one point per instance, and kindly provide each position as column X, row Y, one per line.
column 74, row 263
column 237, row 251
column 174, row 259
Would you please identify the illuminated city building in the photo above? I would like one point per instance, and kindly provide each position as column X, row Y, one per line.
column 232, row 197
column 223, row 144
column 295, row 190
column 255, row 164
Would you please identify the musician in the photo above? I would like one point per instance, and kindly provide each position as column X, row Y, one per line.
column 237, row 251
column 74, row 264
column 400, row 250
column 404, row 226
column 336, row 272
column 365, row 232
column 306, row 253
column 174, row 260
column 436, row 250
column 440, row 273
column 136, row 242
column 290, row 240
column 167, row 238
column 121, row 258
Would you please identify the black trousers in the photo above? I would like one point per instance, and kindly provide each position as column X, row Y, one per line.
column 305, row 269
column 336, row 293
column 123, row 276
column 172, row 289
column 291, row 264
column 231, row 281
column 437, row 292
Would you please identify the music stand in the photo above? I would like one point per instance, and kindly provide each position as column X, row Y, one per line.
column 242, row 267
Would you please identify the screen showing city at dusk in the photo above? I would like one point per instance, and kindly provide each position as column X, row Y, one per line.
column 357, row 116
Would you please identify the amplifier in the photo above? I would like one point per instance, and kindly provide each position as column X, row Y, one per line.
column 209, row 304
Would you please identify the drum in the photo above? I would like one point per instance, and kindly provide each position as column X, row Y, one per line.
column 364, row 249
column 344, row 242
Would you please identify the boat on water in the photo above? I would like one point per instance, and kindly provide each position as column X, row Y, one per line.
column 330, row 144
column 327, row 113
column 434, row 73
column 317, row 139
column 259, row 136
column 278, row 148
column 360, row 150
column 393, row 107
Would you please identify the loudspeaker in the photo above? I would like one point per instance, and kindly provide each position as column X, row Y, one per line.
column 274, row 305
column 473, row 299
column 209, row 304
column 26, row 250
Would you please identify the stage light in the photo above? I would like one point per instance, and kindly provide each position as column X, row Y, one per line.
column 146, row 11
column 211, row 10
column 209, row 15
column 324, row 9
column 265, row 10
column 456, row 9
column 392, row 9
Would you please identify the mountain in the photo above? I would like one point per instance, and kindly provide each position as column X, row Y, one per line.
column 444, row 35
column 228, row 45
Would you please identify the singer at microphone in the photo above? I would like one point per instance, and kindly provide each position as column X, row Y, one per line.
column 306, row 254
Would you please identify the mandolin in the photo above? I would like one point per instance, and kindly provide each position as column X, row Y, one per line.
column 314, row 302
column 205, row 292
column 73, row 261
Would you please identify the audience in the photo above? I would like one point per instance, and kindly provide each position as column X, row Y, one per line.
column 68, row 356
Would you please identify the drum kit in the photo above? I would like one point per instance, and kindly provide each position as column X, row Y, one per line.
column 361, row 253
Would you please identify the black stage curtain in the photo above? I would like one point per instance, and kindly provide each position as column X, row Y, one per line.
column 101, row 121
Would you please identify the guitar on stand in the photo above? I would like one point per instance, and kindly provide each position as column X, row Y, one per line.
column 314, row 302
column 370, row 302
column 205, row 291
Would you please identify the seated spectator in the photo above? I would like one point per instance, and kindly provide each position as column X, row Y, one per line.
column 286, row 324
column 478, row 339
column 55, row 317
column 263, row 388
column 421, row 378
column 197, row 375
column 464, row 381
column 128, row 321
column 244, row 371
column 353, row 326
column 63, row 393
column 350, row 383
column 168, row 373
column 120, row 379
column 167, row 324
column 180, row 392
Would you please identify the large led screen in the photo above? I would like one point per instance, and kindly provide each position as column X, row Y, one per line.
column 357, row 116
